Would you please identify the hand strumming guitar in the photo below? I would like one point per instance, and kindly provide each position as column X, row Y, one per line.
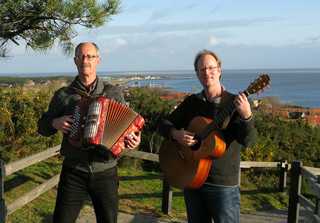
column 183, row 137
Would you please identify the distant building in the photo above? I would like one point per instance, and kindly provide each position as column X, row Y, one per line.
column 296, row 114
column 310, row 115
column 6, row 85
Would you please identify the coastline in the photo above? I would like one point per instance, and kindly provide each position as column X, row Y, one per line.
column 274, row 105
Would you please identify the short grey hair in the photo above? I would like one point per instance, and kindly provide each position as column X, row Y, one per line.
column 83, row 43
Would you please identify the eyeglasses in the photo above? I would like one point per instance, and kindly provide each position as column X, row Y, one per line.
column 210, row 68
column 88, row 57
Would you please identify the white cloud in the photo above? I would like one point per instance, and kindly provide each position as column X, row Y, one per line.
column 313, row 39
column 119, row 42
column 184, row 27
column 213, row 41
column 112, row 44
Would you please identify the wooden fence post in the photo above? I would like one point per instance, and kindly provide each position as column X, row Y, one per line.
column 166, row 197
column 3, row 211
column 240, row 176
column 283, row 169
column 317, row 209
column 295, row 189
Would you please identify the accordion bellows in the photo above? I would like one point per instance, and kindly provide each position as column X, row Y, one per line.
column 103, row 121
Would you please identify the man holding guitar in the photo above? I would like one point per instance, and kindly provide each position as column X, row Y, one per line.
column 216, row 194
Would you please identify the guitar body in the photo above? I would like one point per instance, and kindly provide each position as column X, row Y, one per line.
column 213, row 145
column 185, row 168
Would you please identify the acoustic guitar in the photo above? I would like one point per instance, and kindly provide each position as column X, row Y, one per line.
column 189, row 167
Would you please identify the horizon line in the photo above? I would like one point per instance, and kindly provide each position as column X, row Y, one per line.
column 148, row 71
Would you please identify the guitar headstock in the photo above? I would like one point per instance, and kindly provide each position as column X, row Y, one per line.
column 258, row 84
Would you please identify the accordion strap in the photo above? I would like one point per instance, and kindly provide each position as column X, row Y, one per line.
column 105, row 90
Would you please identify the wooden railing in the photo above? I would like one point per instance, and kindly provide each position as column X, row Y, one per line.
column 10, row 168
column 297, row 200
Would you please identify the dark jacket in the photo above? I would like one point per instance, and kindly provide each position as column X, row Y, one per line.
column 237, row 134
column 63, row 103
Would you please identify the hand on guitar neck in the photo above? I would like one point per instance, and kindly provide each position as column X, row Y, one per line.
column 183, row 137
column 242, row 105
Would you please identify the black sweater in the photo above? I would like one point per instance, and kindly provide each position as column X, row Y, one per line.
column 237, row 134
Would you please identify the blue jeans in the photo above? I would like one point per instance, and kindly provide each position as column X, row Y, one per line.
column 75, row 187
column 213, row 202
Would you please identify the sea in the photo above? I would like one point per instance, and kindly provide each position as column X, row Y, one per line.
column 298, row 87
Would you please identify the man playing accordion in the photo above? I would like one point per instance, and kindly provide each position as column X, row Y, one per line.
column 86, row 170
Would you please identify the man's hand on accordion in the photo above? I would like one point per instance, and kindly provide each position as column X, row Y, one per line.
column 63, row 123
column 132, row 140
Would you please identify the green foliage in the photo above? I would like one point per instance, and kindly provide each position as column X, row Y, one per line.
column 19, row 81
column 148, row 103
column 21, row 109
column 282, row 139
column 39, row 23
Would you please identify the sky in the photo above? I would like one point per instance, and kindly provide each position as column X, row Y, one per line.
column 166, row 35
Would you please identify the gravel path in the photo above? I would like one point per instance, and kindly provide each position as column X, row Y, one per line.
column 257, row 217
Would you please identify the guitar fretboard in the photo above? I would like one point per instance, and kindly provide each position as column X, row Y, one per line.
column 218, row 120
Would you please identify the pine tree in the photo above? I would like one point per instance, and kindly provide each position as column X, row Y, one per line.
column 39, row 23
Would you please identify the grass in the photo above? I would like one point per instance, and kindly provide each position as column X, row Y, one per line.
column 137, row 195
column 259, row 191
column 144, row 195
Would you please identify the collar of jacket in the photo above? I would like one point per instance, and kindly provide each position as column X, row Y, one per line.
column 201, row 95
column 220, row 101
column 83, row 91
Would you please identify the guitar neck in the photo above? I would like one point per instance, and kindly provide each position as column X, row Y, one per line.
column 218, row 120
column 259, row 84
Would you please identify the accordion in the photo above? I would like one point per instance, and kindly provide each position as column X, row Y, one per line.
column 103, row 121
